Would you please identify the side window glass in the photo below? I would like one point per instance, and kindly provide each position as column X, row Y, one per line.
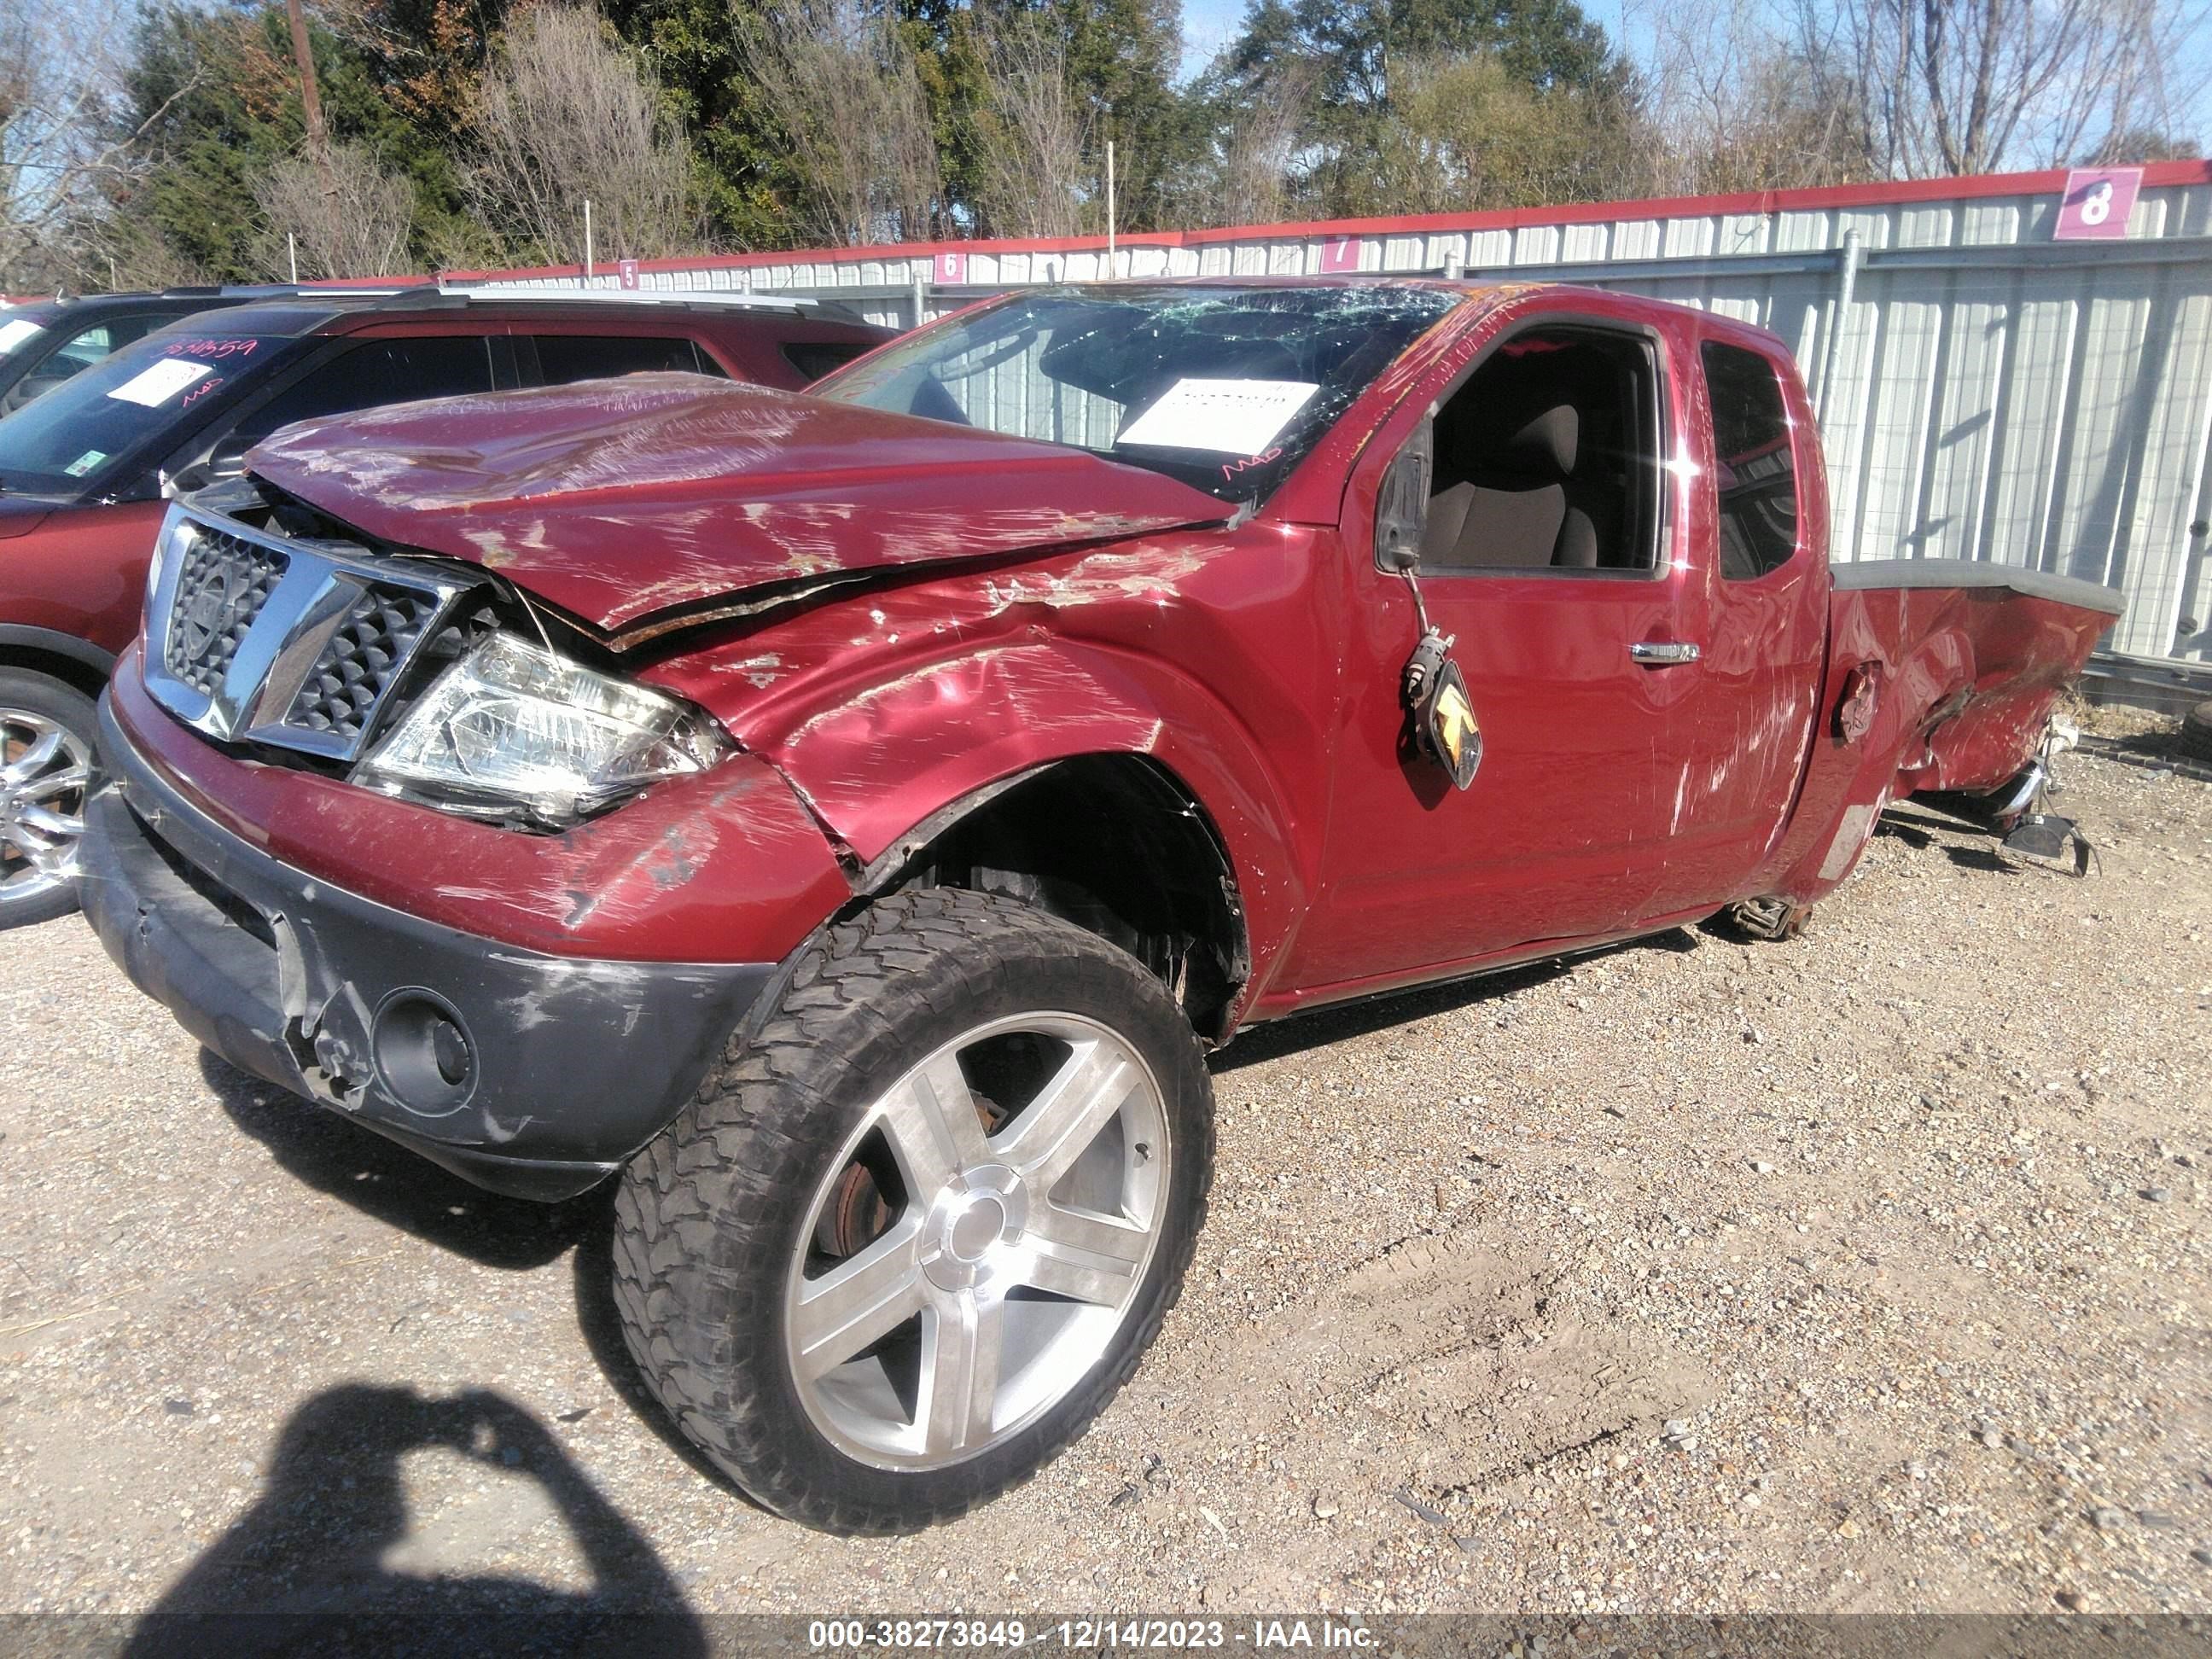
column 85, row 348
column 815, row 358
column 373, row 372
column 565, row 357
column 1548, row 459
column 1756, row 475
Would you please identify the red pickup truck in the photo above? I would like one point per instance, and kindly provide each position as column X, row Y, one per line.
column 850, row 818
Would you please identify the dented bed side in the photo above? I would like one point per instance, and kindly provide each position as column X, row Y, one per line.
column 1941, row 675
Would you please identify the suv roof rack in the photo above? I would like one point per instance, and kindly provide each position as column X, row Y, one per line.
column 714, row 297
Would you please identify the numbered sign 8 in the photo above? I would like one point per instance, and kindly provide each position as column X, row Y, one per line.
column 2096, row 203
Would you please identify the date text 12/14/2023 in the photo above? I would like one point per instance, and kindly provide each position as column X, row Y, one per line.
column 1090, row 1634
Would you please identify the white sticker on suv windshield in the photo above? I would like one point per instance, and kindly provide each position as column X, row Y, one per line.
column 84, row 463
column 14, row 332
column 1229, row 417
column 164, row 380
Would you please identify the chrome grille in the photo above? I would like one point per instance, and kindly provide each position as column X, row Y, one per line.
column 281, row 642
column 222, row 582
column 359, row 664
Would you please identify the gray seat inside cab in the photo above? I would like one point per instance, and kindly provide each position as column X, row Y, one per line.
column 1514, row 513
column 1519, row 483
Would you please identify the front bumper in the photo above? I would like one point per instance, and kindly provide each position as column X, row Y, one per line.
column 530, row 1074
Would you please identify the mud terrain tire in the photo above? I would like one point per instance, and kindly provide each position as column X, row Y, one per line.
column 717, row 1219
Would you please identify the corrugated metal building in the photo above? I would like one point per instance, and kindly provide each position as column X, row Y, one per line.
column 1986, row 391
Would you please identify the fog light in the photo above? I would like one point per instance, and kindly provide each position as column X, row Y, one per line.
column 424, row 1055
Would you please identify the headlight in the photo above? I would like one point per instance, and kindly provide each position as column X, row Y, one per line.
column 511, row 726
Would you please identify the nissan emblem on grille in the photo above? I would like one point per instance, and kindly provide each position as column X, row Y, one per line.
column 292, row 645
column 220, row 590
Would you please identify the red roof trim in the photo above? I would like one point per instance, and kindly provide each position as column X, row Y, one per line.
column 1832, row 198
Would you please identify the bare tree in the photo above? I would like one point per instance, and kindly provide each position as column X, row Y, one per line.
column 1031, row 134
column 843, row 84
column 65, row 144
column 1736, row 106
column 350, row 216
column 563, row 116
column 1258, row 152
column 1974, row 86
column 129, row 253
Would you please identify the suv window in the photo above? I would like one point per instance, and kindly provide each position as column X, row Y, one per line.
column 815, row 358
column 89, row 346
column 565, row 357
column 374, row 372
column 1548, row 459
column 1757, row 477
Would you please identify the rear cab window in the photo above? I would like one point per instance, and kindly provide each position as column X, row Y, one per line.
column 1755, row 474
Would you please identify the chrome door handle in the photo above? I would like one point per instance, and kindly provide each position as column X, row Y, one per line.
column 1663, row 651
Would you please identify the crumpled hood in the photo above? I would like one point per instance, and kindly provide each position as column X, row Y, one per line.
column 621, row 500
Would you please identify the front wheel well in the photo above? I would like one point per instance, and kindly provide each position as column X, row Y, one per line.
column 1116, row 844
column 78, row 676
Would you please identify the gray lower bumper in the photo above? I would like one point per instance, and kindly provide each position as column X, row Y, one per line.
column 528, row 1074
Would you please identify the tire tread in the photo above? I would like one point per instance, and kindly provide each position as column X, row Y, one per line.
column 732, row 1146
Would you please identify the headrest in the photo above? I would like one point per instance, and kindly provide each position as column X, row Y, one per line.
column 1546, row 444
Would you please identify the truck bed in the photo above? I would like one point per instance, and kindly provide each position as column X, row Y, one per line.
column 1875, row 576
column 1954, row 667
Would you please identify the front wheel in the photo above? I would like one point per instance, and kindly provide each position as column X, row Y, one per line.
column 45, row 767
column 921, row 1223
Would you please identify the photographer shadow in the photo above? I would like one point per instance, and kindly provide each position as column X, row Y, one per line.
column 390, row 1184
column 324, row 1150
column 305, row 1570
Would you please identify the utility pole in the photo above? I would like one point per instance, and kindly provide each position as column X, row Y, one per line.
column 1109, row 209
column 588, row 259
column 311, row 103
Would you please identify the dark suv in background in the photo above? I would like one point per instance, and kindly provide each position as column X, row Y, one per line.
column 45, row 343
column 86, row 473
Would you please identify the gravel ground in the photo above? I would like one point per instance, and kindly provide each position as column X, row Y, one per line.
column 1863, row 1272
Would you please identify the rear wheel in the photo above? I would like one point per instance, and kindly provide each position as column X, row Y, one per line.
column 45, row 765
column 2196, row 730
column 919, row 1227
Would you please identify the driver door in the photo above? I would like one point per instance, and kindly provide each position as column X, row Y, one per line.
column 1547, row 558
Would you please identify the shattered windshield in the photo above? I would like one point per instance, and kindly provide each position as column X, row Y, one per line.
column 1226, row 389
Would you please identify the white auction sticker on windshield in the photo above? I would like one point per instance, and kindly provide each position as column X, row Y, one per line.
column 14, row 332
column 84, row 463
column 1230, row 417
column 164, row 380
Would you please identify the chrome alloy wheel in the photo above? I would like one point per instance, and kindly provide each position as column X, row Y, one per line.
column 978, row 1241
column 45, row 769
